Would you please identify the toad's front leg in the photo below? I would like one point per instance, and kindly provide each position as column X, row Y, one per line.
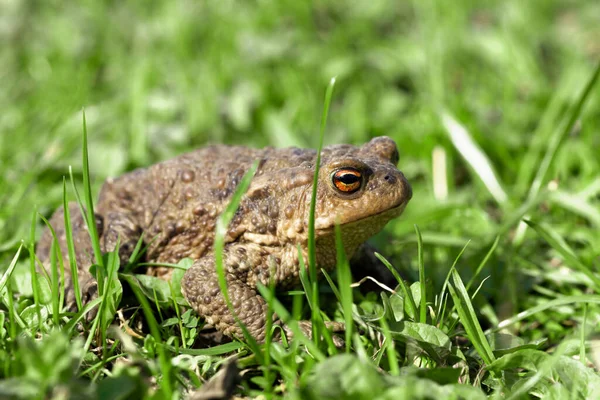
column 200, row 287
column 244, row 265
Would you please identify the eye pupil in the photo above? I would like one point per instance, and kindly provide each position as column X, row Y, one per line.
column 347, row 180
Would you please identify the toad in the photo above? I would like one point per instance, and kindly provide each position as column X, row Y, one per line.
column 173, row 207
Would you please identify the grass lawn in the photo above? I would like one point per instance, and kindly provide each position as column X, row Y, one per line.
column 495, row 107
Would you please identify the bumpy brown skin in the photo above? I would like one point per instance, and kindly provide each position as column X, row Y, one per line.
column 175, row 205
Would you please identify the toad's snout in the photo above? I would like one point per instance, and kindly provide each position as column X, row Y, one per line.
column 399, row 184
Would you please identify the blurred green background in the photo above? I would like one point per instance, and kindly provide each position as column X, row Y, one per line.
column 158, row 78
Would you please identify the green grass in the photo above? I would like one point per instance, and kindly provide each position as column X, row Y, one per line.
column 496, row 111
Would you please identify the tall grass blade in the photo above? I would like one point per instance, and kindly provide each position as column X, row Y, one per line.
column 290, row 323
column 312, row 253
column 412, row 306
column 474, row 156
column 559, row 244
column 345, row 290
column 562, row 132
column 390, row 348
column 423, row 286
column 71, row 248
column 90, row 216
column 11, row 267
column 35, row 285
column 443, row 294
column 582, row 335
column 56, row 265
column 483, row 262
column 54, row 283
column 166, row 385
column 539, row 138
column 468, row 317
column 589, row 298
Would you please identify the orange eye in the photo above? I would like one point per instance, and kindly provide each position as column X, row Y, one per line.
column 347, row 180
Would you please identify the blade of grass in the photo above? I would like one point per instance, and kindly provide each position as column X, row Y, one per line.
column 35, row 285
column 312, row 254
column 7, row 274
column 345, row 290
column 578, row 205
column 582, row 356
column 97, row 367
column 9, row 301
column 76, row 318
column 304, row 278
column 390, row 348
column 548, row 120
column 479, row 287
column 474, row 156
column 308, row 291
column 54, row 269
column 559, row 244
column 483, row 262
column 108, row 307
column 166, row 385
column 554, row 142
column 71, row 248
column 589, row 298
column 178, row 314
column 423, row 306
column 56, row 265
column 336, row 291
column 467, row 315
column 544, row 371
column 412, row 306
column 442, row 305
column 90, row 217
column 137, row 253
column 290, row 323
column 561, row 132
column 76, row 192
column 305, row 281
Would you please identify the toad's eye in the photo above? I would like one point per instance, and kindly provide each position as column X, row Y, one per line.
column 347, row 180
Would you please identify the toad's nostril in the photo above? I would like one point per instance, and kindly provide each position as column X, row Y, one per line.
column 390, row 178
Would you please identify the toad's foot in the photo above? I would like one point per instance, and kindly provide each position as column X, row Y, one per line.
column 306, row 328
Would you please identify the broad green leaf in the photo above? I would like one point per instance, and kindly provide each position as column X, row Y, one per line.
column 422, row 333
column 344, row 376
column 397, row 306
column 151, row 286
column 570, row 372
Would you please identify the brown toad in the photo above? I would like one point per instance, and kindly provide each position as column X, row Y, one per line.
column 174, row 205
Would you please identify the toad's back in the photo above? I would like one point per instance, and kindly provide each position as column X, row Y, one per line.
column 177, row 202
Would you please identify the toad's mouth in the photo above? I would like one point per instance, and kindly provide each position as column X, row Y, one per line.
column 328, row 223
